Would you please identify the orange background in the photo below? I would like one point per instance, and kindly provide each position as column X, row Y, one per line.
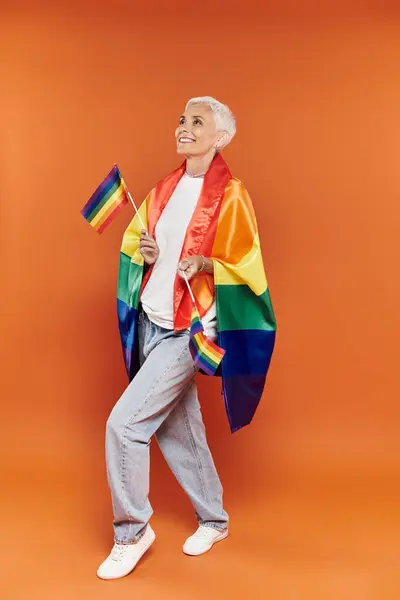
column 309, row 486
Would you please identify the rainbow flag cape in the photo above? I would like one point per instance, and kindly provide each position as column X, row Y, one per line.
column 206, row 355
column 106, row 202
column 224, row 228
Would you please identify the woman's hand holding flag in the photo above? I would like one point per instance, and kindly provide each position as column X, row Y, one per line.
column 193, row 265
column 148, row 248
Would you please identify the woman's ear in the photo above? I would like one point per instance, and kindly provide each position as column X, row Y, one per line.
column 222, row 140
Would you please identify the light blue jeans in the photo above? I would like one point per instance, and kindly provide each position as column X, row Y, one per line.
column 161, row 400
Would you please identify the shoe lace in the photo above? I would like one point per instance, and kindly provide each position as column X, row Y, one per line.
column 118, row 551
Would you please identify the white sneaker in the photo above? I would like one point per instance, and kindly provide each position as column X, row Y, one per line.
column 124, row 557
column 203, row 540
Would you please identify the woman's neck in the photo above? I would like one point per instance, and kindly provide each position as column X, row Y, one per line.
column 198, row 165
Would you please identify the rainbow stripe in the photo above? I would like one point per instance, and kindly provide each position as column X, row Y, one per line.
column 130, row 275
column 245, row 316
column 206, row 355
column 246, row 327
column 106, row 202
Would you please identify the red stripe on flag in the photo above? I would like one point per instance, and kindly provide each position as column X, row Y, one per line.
column 112, row 216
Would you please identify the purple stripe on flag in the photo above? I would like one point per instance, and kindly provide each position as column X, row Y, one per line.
column 112, row 178
column 196, row 327
column 203, row 364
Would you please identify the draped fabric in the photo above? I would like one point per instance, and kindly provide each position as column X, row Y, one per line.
column 223, row 228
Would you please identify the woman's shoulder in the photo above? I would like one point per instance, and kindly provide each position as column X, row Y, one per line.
column 236, row 189
column 236, row 184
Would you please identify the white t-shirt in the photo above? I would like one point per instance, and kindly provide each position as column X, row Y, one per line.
column 158, row 295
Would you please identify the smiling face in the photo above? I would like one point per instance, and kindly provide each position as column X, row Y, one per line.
column 197, row 133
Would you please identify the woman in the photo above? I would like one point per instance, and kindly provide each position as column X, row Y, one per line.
column 200, row 226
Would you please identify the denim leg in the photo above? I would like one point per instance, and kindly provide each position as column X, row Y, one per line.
column 161, row 382
column 182, row 440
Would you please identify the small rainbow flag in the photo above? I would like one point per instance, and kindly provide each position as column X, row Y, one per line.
column 106, row 202
column 205, row 353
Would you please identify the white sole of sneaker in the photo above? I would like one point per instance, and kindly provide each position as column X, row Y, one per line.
column 125, row 573
column 222, row 536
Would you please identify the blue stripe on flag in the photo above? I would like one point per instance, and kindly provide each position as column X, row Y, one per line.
column 259, row 344
column 112, row 178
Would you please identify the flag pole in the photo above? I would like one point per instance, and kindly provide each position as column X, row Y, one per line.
column 137, row 212
column 189, row 288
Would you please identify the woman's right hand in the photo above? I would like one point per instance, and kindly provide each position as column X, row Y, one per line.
column 148, row 248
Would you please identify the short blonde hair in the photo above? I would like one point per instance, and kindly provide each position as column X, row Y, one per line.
column 224, row 119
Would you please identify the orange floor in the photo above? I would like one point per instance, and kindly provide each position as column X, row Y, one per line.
column 297, row 532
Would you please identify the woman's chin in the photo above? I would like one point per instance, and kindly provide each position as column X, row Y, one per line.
column 185, row 149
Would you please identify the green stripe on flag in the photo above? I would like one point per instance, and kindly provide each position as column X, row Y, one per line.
column 242, row 309
column 103, row 201
column 133, row 274
column 201, row 351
